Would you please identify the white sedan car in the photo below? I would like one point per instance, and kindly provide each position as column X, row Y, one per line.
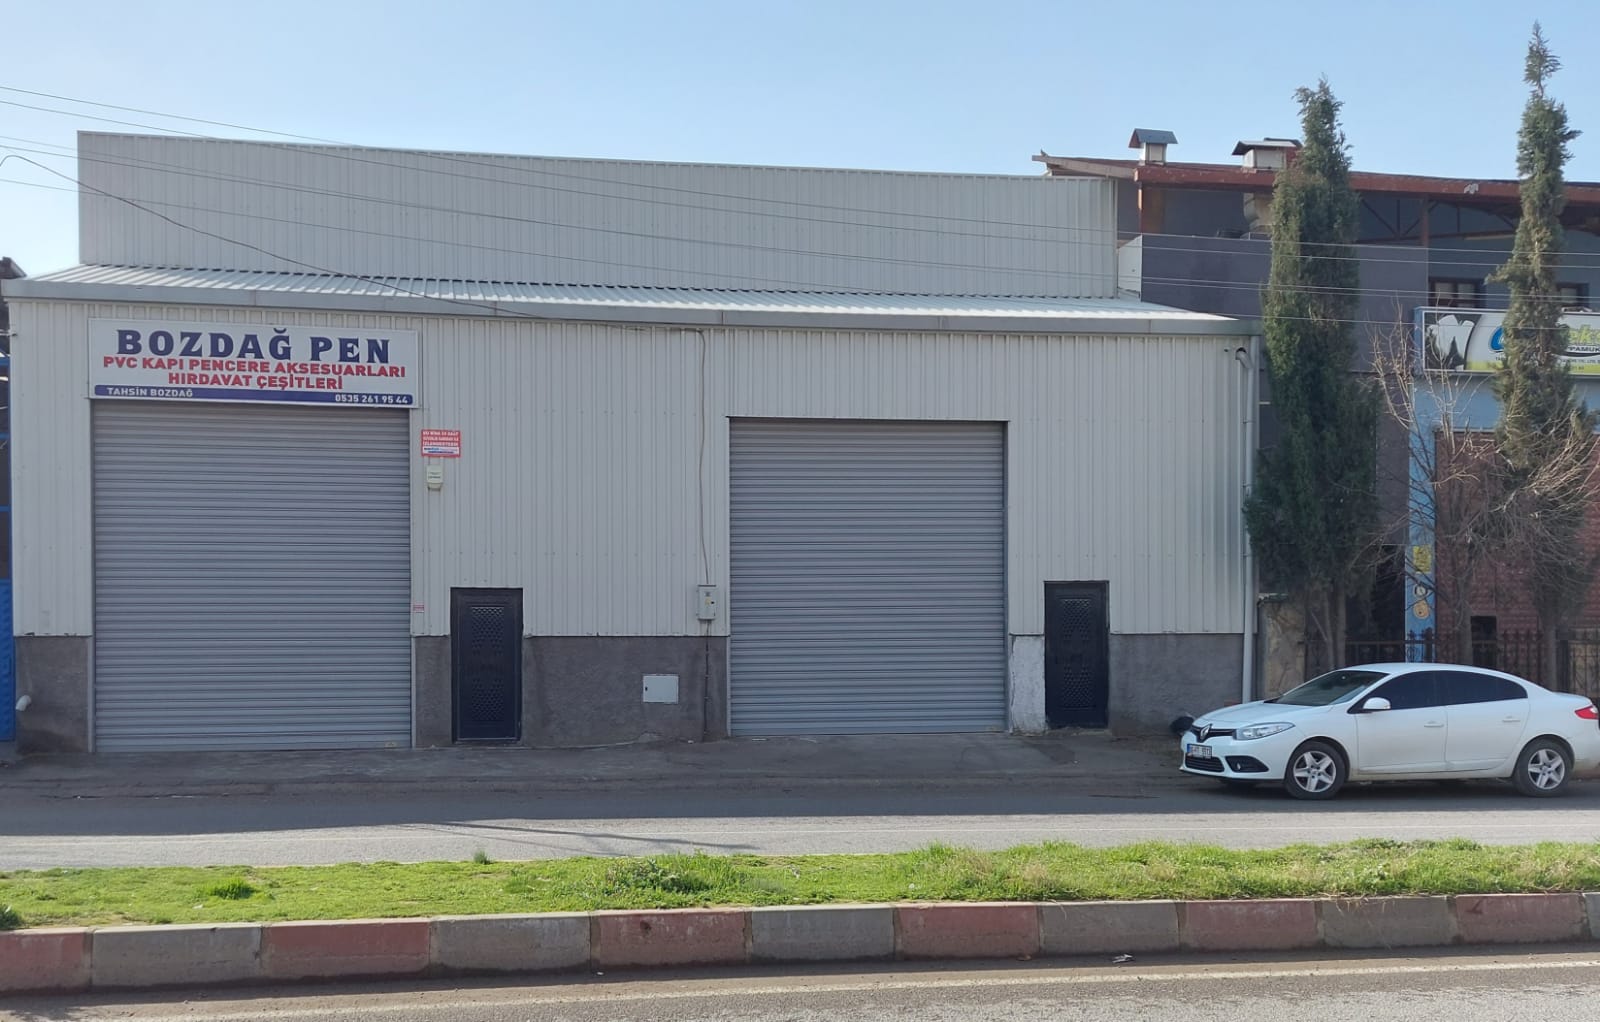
column 1386, row 722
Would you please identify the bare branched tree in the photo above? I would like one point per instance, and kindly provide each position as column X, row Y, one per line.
column 1486, row 521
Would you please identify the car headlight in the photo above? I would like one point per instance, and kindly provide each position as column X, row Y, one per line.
column 1254, row 731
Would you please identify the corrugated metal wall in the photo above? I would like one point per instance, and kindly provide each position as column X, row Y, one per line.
column 584, row 481
column 513, row 218
column 52, row 553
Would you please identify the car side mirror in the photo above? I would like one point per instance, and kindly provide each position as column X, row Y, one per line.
column 1375, row 705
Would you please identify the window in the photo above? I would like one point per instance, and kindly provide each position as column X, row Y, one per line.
column 1573, row 296
column 1485, row 630
column 1456, row 294
column 1414, row 691
column 1329, row 689
column 1460, row 687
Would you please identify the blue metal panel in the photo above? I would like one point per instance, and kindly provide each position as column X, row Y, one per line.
column 8, row 642
column 8, row 667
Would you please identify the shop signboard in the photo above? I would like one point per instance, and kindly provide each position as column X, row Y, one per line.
column 174, row 361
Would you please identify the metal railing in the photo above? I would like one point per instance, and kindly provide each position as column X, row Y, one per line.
column 1519, row 653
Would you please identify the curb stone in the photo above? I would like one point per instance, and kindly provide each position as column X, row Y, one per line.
column 1426, row 921
column 1519, row 918
column 713, row 936
column 1283, row 924
column 526, row 943
column 135, row 956
column 345, row 949
column 74, row 959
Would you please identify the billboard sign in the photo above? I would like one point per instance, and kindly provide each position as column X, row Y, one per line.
column 1473, row 340
column 157, row 361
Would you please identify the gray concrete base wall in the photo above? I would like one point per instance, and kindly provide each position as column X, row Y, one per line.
column 582, row 690
column 54, row 671
column 589, row 690
column 432, row 723
column 1155, row 678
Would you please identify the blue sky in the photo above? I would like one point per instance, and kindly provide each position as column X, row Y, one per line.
column 1429, row 87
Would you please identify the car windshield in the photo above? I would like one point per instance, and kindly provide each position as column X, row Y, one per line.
column 1336, row 687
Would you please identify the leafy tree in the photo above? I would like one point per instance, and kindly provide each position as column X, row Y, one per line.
column 1313, row 512
column 1541, row 419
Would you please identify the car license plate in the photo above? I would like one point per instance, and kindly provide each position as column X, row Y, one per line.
column 1201, row 752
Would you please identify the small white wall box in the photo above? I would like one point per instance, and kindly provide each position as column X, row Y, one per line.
column 661, row 688
column 706, row 602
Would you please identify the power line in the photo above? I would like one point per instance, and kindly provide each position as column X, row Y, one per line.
column 497, row 309
column 1197, row 283
column 556, row 225
column 586, row 178
column 1207, row 284
column 591, row 179
column 1483, row 260
column 37, row 184
column 822, row 254
column 172, row 117
column 97, row 117
column 135, row 163
column 266, row 252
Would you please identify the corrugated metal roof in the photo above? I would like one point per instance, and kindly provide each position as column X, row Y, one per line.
column 494, row 295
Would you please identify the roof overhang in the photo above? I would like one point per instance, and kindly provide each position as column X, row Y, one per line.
column 1225, row 177
column 628, row 305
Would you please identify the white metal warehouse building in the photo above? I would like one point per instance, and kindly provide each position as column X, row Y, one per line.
column 327, row 447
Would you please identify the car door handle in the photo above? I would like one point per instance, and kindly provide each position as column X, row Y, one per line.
column 1511, row 720
column 1434, row 723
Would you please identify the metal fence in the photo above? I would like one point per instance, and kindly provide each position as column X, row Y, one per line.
column 1580, row 663
column 1577, row 667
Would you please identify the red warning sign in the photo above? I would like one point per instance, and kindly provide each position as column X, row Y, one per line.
column 441, row 443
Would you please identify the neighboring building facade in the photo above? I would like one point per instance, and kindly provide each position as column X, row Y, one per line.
column 413, row 448
column 1197, row 236
column 1464, row 348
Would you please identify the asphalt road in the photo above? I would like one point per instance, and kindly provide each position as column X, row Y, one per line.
column 41, row 832
column 1508, row 987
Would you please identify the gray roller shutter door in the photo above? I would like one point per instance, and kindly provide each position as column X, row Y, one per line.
column 868, row 577
column 252, row 577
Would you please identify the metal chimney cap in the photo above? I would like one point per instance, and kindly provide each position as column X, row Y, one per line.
column 1151, row 136
column 1266, row 143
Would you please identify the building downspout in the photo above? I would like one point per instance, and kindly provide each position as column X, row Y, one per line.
column 1248, row 428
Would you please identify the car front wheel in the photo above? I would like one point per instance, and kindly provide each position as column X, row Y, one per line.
column 1543, row 769
column 1316, row 771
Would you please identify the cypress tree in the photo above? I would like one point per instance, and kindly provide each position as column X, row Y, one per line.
column 1312, row 515
column 1542, row 421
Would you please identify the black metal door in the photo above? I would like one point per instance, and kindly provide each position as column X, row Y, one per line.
column 1077, row 662
column 486, row 664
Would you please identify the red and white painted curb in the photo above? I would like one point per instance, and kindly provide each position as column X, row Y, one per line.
column 66, row 960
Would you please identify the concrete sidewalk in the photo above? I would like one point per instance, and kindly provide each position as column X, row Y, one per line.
column 1060, row 761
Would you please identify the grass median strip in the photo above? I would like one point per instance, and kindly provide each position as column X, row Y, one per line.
column 1049, row 872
